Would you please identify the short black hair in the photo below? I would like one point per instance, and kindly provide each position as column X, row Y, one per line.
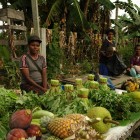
column 33, row 38
column 110, row 30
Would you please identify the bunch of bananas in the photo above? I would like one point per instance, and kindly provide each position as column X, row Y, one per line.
column 130, row 85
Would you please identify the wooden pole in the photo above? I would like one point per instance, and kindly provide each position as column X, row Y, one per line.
column 35, row 17
column 43, row 44
column 116, row 27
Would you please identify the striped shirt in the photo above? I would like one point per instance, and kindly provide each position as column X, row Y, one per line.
column 34, row 73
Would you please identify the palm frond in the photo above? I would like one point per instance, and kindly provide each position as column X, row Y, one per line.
column 107, row 4
column 55, row 10
column 136, row 17
column 79, row 12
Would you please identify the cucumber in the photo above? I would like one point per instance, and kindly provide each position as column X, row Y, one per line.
column 36, row 120
column 41, row 113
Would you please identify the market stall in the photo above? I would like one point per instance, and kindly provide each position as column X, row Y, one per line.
column 88, row 110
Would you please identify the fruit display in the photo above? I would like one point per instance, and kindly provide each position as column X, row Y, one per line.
column 73, row 126
column 72, row 113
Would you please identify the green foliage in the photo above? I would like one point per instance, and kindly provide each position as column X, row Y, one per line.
column 12, row 78
column 86, row 66
column 131, row 22
column 7, row 106
column 61, row 104
column 107, row 3
column 54, row 55
column 28, row 101
column 127, row 53
column 4, row 53
column 11, row 68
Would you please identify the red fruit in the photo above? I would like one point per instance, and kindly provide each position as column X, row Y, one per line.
column 17, row 134
column 21, row 119
column 34, row 130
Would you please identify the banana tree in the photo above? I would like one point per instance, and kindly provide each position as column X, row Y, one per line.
column 129, row 24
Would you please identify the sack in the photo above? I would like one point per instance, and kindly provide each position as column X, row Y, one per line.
column 116, row 66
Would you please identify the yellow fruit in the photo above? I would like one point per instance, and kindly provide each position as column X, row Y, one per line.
column 62, row 127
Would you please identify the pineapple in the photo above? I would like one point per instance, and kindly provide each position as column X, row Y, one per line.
column 78, row 118
column 62, row 127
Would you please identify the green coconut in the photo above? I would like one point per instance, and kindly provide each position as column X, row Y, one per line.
column 105, row 119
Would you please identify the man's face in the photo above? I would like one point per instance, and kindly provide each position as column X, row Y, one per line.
column 110, row 35
column 34, row 47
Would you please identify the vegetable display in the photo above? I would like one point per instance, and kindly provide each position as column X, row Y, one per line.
column 61, row 114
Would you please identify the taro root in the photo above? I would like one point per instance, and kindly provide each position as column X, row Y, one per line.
column 21, row 119
column 17, row 134
column 34, row 130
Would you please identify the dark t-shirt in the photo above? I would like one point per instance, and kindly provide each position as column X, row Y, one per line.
column 34, row 73
column 106, row 43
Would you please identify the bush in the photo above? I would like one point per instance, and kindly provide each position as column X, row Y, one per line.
column 126, row 53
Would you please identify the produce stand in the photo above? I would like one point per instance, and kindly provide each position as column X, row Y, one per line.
column 121, row 132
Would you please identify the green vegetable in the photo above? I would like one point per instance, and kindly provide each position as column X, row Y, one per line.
column 41, row 113
column 3, row 132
